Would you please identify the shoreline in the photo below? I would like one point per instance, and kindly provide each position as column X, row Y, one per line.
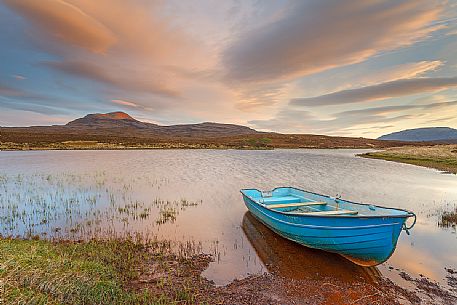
column 175, row 147
column 171, row 147
column 128, row 272
column 94, row 145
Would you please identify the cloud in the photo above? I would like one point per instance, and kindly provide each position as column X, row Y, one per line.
column 22, row 99
column 125, row 103
column 30, row 106
column 128, row 47
column 29, row 118
column 385, row 90
column 66, row 22
column 297, row 121
column 387, row 110
column 19, row 77
column 314, row 36
column 391, row 73
column 6, row 90
column 116, row 77
column 384, row 110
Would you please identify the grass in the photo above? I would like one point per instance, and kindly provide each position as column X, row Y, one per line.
column 94, row 272
column 441, row 157
column 449, row 219
column 259, row 143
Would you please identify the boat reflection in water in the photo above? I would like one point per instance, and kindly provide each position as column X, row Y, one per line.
column 294, row 261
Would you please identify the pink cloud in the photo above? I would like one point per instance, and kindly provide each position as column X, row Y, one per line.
column 125, row 103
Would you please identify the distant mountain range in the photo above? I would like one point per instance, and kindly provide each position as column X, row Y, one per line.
column 428, row 134
column 119, row 130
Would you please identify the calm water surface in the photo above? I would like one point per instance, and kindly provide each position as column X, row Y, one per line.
column 191, row 197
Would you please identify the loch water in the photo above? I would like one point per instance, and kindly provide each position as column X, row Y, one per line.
column 191, row 199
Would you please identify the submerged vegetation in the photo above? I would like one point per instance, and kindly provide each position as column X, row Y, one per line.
column 448, row 218
column 441, row 157
column 83, row 206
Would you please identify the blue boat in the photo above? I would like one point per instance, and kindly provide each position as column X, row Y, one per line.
column 365, row 234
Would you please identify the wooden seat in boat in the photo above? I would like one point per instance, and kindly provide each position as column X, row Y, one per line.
column 285, row 199
column 336, row 212
column 298, row 204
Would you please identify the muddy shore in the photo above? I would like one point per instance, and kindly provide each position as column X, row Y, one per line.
column 272, row 288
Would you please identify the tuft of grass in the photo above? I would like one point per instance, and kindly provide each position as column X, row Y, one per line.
column 94, row 272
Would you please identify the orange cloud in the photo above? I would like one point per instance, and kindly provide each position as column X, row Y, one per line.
column 141, row 31
column 66, row 22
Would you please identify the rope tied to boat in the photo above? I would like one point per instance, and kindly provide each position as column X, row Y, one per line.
column 407, row 228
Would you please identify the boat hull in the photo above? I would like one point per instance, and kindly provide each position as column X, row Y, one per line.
column 366, row 241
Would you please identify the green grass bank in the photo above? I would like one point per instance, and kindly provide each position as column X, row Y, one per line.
column 441, row 157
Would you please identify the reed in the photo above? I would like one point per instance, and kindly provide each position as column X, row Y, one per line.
column 448, row 219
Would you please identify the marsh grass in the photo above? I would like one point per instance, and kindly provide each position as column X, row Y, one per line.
column 94, row 272
column 85, row 238
column 83, row 206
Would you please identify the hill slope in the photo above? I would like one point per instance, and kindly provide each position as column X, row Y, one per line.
column 423, row 134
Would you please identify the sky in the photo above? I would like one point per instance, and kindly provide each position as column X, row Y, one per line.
column 345, row 68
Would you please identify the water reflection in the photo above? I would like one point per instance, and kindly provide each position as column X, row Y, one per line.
column 292, row 260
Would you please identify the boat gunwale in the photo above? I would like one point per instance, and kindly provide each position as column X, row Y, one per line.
column 263, row 211
column 408, row 213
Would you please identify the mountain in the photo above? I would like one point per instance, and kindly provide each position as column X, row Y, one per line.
column 121, row 120
column 108, row 120
column 439, row 134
